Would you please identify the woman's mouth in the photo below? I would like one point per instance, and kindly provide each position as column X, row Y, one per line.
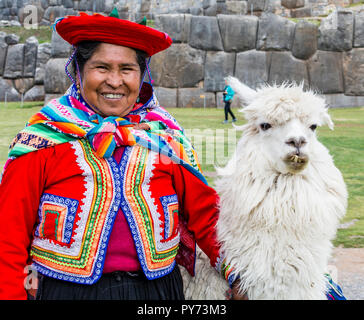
column 113, row 96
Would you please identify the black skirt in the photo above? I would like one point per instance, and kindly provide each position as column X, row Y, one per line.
column 117, row 285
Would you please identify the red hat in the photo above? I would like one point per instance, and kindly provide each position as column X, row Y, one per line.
column 111, row 29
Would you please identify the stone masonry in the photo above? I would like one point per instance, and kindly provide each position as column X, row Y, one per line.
column 257, row 49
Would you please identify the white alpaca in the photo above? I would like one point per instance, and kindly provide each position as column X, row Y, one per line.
column 281, row 200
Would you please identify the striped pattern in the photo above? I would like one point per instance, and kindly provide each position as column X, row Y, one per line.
column 66, row 119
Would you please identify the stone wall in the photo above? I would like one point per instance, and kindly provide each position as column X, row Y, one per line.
column 22, row 68
column 49, row 10
column 257, row 50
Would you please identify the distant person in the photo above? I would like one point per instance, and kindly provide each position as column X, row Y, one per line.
column 228, row 95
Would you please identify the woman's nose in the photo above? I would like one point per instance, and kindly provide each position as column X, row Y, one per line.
column 114, row 80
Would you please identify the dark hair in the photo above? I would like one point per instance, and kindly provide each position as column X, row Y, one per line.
column 86, row 49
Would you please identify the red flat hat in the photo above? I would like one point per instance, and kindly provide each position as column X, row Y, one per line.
column 97, row 27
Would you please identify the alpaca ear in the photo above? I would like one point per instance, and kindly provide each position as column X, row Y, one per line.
column 245, row 93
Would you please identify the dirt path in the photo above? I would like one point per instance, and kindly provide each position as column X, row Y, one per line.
column 348, row 263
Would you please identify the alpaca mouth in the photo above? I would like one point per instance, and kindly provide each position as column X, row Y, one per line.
column 296, row 162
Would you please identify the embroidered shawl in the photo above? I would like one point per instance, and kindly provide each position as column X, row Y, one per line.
column 66, row 119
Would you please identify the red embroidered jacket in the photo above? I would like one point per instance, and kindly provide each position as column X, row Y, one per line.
column 59, row 204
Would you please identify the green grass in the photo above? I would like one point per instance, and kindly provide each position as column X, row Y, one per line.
column 346, row 144
column 42, row 33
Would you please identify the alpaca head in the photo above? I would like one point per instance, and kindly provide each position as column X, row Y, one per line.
column 281, row 123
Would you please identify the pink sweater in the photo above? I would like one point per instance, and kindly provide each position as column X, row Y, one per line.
column 121, row 253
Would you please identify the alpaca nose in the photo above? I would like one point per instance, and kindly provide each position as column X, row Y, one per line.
column 296, row 142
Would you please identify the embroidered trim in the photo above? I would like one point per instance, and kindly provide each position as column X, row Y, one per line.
column 170, row 209
column 136, row 168
column 98, row 213
column 225, row 270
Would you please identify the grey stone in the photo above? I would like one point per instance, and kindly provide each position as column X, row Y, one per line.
column 239, row 33
column 52, row 13
column 68, row 3
column 209, row 7
column 55, row 79
column 3, row 52
column 236, row 7
column 326, row 72
column 99, row 5
column 43, row 54
column 339, row 100
column 39, row 75
column 45, row 3
column 30, row 56
column 36, row 93
column 293, row 4
column 11, row 39
column 301, row 12
column 359, row 29
column 257, row 5
column 275, row 33
column 205, row 34
column 23, row 84
column 218, row 66
column 353, row 67
column 178, row 66
column 336, row 31
column 14, row 61
column 109, row 5
column 167, row 97
column 8, row 91
column 305, row 40
column 252, row 67
column 286, row 68
column 176, row 25
column 60, row 47
column 82, row 6
column 195, row 98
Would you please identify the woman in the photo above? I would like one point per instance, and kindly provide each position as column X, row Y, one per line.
column 228, row 95
column 98, row 207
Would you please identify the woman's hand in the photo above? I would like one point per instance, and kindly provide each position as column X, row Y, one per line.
column 141, row 126
column 235, row 292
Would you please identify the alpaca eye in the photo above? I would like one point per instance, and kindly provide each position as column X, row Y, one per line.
column 265, row 126
column 313, row 127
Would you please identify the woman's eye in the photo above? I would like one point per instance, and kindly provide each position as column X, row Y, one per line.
column 265, row 126
column 313, row 127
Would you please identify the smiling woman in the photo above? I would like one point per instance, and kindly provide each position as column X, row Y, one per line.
column 109, row 182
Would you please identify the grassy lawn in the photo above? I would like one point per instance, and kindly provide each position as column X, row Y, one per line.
column 42, row 33
column 205, row 128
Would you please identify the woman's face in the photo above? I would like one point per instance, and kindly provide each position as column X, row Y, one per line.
column 111, row 80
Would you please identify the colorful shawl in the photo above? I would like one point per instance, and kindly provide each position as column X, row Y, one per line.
column 66, row 119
